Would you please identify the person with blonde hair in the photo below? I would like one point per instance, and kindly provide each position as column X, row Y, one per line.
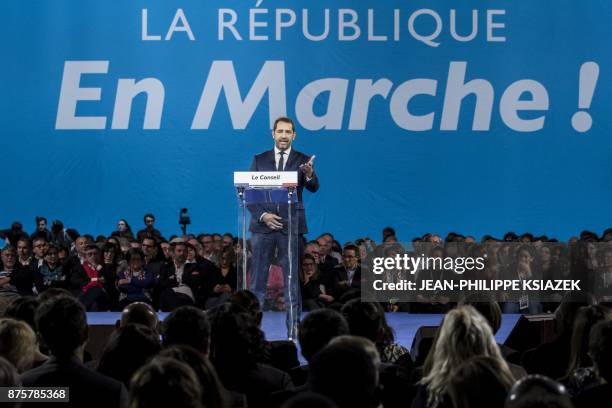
column 464, row 334
column 18, row 345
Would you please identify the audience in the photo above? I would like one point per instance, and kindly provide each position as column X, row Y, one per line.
column 464, row 334
column 220, row 358
column 128, row 349
column 189, row 326
column 600, row 350
column 480, row 382
column 62, row 325
column 214, row 395
column 537, row 391
column 165, row 382
column 346, row 371
column 18, row 344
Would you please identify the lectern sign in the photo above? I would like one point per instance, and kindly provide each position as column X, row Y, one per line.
column 265, row 179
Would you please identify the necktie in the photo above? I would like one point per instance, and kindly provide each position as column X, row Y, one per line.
column 281, row 161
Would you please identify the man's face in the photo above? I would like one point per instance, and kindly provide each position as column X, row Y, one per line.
column 51, row 256
column 179, row 254
column 283, row 135
column 217, row 240
column 313, row 250
column 148, row 247
column 149, row 222
column 325, row 245
column 40, row 246
column 349, row 257
column 42, row 225
column 91, row 255
column 81, row 243
column 9, row 258
column 227, row 242
column 207, row 243
column 23, row 250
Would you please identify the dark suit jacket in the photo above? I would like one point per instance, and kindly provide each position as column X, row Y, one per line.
column 265, row 162
column 194, row 276
column 341, row 275
column 87, row 387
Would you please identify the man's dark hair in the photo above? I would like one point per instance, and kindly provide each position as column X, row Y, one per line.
column 318, row 328
column 351, row 247
column 308, row 400
column 347, row 372
column 600, row 348
column 62, row 324
column 538, row 391
column 165, row 382
column 128, row 349
column 39, row 219
column 23, row 308
column 387, row 232
column 139, row 313
column 249, row 302
column 284, row 119
column 187, row 325
column 148, row 215
column 364, row 318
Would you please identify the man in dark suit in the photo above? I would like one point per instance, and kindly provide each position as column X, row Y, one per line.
column 180, row 283
column 347, row 275
column 62, row 325
column 269, row 220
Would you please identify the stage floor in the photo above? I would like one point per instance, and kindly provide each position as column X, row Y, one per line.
column 405, row 325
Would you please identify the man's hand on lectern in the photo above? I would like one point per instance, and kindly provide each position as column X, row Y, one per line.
column 273, row 221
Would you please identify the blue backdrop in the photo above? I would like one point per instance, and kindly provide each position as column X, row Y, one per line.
column 512, row 160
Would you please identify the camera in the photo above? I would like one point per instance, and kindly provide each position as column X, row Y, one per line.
column 184, row 220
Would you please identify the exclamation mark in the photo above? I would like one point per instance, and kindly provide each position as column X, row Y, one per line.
column 589, row 73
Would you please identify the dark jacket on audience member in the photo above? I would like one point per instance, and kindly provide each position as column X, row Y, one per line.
column 87, row 387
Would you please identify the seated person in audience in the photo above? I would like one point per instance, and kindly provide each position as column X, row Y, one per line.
column 536, row 391
column 600, row 350
column 87, row 282
column 62, row 325
column 491, row 311
column 24, row 309
column 165, row 382
column 367, row 319
column 580, row 372
column 19, row 345
column 112, row 262
column 235, row 350
column 51, row 272
column 464, row 334
column 347, row 275
column 128, row 349
column 281, row 354
column 308, row 400
column 552, row 358
column 134, row 282
column 187, row 325
column 316, row 330
column 313, row 290
column 346, row 371
column 214, row 394
column 179, row 282
column 15, row 280
column 221, row 282
column 139, row 313
column 480, row 382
